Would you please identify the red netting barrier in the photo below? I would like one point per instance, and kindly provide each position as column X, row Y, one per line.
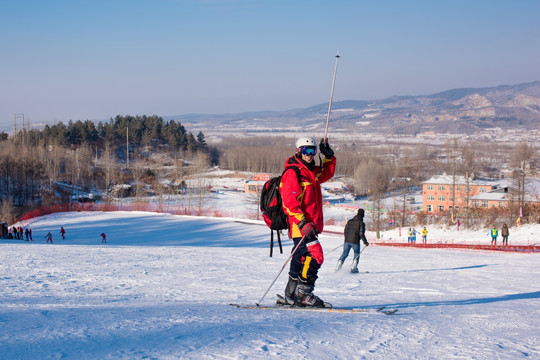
column 509, row 248
column 161, row 208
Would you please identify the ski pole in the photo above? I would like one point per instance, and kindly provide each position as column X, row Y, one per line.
column 361, row 251
column 283, row 267
column 334, row 249
column 331, row 98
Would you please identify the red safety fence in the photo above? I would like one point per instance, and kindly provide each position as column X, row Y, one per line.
column 452, row 245
column 161, row 208
column 508, row 248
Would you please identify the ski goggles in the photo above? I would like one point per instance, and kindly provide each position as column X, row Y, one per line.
column 308, row 150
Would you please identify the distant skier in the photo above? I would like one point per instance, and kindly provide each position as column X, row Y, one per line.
column 505, row 233
column 494, row 234
column 355, row 230
column 103, row 238
column 63, row 232
column 302, row 202
column 424, row 235
column 49, row 237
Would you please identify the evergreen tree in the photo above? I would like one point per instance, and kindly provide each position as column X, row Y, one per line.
column 90, row 132
column 201, row 142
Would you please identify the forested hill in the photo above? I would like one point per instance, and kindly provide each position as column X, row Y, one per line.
column 137, row 130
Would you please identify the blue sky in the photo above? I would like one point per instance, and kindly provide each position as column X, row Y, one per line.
column 80, row 60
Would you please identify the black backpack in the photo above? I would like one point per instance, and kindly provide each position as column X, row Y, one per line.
column 271, row 206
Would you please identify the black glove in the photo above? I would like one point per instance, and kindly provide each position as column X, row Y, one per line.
column 307, row 228
column 325, row 149
column 366, row 243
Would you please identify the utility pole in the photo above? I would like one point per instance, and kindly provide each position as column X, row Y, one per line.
column 19, row 116
column 404, row 181
column 453, row 184
column 127, row 146
column 468, row 194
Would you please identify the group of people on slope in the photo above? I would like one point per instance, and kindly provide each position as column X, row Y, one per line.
column 49, row 236
column 411, row 235
column 19, row 233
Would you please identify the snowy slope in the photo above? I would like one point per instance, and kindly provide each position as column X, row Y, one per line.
column 161, row 286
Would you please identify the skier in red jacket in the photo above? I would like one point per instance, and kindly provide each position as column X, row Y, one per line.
column 302, row 202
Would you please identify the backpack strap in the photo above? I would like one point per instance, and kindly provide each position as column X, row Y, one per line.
column 296, row 170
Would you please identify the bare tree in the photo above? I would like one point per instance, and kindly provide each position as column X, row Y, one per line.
column 372, row 176
column 179, row 173
column 522, row 160
column 7, row 212
column 138, row 168
column 109, row 166
column 200, row 166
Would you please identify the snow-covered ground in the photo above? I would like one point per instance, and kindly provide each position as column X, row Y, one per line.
column 161, row 285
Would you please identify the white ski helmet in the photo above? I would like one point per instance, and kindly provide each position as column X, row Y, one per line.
column 305, row 141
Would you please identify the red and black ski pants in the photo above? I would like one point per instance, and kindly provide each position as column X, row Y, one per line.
column 307, row 259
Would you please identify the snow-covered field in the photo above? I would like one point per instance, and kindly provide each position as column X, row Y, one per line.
column 161, row 285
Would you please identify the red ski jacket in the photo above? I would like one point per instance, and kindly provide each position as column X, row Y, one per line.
column 303, row 200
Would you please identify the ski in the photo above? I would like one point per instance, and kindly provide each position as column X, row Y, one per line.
column 380, row 310
column 282, row 301
column 358, row 272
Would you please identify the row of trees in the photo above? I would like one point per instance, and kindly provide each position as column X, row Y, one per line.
column 138, row 131
column 53, row 165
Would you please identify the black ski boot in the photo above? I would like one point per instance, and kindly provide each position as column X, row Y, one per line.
column 288, row 299
column 304, row 296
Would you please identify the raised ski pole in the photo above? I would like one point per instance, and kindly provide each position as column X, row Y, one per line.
column 283, row 267
column 331, row 98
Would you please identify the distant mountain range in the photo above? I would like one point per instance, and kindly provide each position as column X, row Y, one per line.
column 453, row 111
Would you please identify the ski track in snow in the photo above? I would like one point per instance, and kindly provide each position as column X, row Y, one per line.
column 164, row 294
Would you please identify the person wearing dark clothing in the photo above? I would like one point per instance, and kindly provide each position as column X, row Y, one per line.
column 302, row 203
column 505, row 233
column 63, row 232
column 355, row 230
